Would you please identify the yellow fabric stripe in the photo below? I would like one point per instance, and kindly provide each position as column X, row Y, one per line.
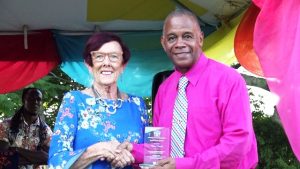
column 198, row 10
column 220, row 44
column 98, row 11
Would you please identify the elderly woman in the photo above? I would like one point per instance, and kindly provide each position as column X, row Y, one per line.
column 91, row 124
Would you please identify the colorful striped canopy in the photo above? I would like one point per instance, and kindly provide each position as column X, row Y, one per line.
column 138, row 22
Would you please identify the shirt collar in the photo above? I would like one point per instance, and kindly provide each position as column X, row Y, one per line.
column 197, row 69
column 36, row 123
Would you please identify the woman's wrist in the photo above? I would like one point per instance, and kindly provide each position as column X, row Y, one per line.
column 96, row 148
column 100, row 148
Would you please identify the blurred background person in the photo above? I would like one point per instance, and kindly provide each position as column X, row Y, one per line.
column 26, row 133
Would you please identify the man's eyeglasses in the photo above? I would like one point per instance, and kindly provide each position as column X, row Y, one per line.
column 100, row 56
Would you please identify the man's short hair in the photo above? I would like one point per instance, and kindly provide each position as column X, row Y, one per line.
column 181, row 12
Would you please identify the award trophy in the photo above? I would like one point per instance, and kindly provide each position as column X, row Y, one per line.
column 156, row 145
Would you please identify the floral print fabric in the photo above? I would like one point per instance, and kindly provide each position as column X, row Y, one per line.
column 83, row 120
column 28, row 136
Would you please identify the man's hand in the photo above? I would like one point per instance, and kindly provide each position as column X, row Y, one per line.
column 123, row 159
column 168, row 163
column 126, row 145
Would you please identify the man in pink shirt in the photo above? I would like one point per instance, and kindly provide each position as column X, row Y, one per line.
column 219, row 132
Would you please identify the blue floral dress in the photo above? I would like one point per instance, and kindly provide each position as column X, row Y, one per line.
column 82, row 121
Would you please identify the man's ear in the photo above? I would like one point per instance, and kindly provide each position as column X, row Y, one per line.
column 201, row 38
column 162, row 42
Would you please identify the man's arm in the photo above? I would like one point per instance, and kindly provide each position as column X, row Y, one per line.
column 26, row 156
column 36, row 156
column 32, row 157
column 137, row 149
column 156, row 109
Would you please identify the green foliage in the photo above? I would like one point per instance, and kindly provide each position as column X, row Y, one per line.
column 148, row 102
column 274, row 149
column 273, row 146
column 9, row 103
column 53, row 88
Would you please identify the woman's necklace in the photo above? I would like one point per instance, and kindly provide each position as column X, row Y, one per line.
column 109, row 108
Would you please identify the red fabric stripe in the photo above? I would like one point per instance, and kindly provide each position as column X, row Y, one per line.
column 243, row 42
column 20, row 67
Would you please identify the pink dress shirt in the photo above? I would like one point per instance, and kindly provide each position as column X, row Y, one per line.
column 219, row 127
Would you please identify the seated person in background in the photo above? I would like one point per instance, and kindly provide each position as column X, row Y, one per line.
column 157, row 80
column 92, row 123
column 26, row 133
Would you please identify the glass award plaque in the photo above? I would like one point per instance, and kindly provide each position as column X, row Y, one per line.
column 156, row 145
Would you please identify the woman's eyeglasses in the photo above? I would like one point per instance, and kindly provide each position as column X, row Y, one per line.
column 100, row 56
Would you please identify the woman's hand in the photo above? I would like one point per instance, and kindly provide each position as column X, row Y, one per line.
column 108, row 150
column 99, row 151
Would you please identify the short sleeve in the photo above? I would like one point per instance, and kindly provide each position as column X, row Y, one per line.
column 62, row 153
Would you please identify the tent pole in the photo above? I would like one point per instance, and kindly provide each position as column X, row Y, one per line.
column 25, row 30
